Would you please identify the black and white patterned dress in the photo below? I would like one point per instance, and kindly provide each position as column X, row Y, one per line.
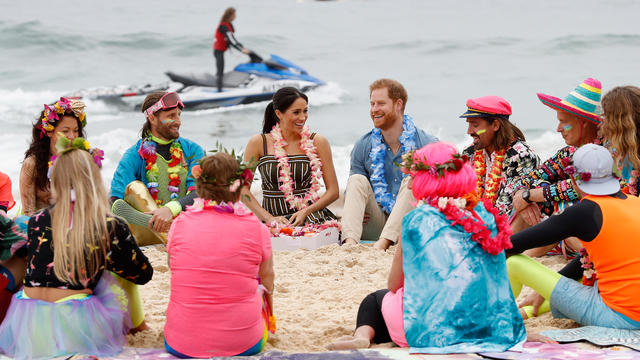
column 273, row 199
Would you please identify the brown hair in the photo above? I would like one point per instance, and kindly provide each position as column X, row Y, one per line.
column 228, row 13
column 151, row 99
column 621, row 106
column 217, row 171
column 507, row 134
column 40, row 148
column 395, row 89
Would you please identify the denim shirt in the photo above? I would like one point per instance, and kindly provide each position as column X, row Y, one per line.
column 361, row 161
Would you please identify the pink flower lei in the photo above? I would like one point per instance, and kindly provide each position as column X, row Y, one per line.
column 285, row 180
column 472, row 224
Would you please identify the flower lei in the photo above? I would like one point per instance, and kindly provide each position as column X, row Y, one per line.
column 488, row 190
column 377, row 154
column 460, row 212
column 237, row 208
column 589, row 272
column 285, row 180
column 51, row 112
column 148, row 152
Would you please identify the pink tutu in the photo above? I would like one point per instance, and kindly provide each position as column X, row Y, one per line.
column 93, row 325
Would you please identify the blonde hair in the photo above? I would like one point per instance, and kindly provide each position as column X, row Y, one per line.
column 80, row 234
column 621, row 106
column 394, row 88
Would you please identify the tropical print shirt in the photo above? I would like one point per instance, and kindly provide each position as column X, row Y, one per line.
column 519, row 159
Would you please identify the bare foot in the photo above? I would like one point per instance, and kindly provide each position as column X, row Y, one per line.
column 540, row 338
column 349, row 242
column 141, row 327
column 349, row 342
column 382, row 244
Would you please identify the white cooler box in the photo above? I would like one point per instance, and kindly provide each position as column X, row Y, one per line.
column 325, row 237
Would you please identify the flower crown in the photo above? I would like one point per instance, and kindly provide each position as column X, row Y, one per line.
column 580, row 176
column 51, row 112
column 243, row 176
column 64, row 145
column 411, row 166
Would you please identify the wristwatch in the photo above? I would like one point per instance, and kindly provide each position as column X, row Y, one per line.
column 525, row 196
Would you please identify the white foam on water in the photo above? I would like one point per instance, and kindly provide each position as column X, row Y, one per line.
column 330, row 93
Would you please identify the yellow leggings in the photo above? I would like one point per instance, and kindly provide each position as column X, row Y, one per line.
column 135, row 302
column 523, row 270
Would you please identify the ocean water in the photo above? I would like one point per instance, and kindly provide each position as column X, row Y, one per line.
column 443, row 53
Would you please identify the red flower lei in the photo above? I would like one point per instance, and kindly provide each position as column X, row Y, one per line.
column 490, row 189
column 475, row 226
column 148, row 152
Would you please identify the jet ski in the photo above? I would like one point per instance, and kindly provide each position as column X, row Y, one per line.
column 247, row 83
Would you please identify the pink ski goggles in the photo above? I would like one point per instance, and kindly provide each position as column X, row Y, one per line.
column 167, row 102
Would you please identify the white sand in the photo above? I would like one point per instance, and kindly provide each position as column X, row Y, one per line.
column 316, row 298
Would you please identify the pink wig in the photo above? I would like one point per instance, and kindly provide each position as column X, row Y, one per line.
column 453, row 184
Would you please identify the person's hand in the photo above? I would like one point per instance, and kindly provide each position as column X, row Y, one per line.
column 299, row 218
column 279, row 220
column 534, row 299
column 518, row 202
column 160, row 219
column 245, row 51
column 365, row 218
column 531, row 214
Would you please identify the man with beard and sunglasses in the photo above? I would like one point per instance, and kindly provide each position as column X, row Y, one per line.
column 377, row 196
column 499, row 152
column 152, row 185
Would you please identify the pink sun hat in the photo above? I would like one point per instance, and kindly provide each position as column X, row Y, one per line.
column 487, row 106
column 584, row 101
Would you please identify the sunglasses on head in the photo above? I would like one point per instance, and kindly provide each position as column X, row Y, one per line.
column 168, row 101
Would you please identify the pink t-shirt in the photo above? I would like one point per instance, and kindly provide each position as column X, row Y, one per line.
column 392, row 314
column 215, row 307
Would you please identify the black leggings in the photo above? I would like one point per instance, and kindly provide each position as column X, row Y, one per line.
column 370, row 313
column 219, row 55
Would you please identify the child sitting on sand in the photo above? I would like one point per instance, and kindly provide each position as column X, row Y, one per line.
column 69, row 303
column 448, row 288
column 220, row 261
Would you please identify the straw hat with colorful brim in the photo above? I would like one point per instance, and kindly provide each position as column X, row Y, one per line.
column 487, row 106
column 598, row 162
column 584, row 101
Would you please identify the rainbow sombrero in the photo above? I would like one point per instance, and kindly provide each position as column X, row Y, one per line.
column 584, row 101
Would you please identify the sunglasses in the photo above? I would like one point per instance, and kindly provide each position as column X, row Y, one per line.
column 167, row 102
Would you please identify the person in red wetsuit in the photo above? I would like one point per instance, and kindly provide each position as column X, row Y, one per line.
column 223, row 39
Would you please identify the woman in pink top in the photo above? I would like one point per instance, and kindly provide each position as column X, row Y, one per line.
column 221, row 264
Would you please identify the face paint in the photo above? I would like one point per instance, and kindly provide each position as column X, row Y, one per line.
column 567, row 128
column 167, row 121
column 481, row 131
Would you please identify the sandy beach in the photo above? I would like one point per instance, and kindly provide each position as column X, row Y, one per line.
column 316, row 297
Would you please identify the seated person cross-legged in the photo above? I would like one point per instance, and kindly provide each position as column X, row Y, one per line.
column 451, row 248
column 606, row 223
column 221, row 268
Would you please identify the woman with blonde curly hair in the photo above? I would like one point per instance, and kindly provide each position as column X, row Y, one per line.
column 621, row 126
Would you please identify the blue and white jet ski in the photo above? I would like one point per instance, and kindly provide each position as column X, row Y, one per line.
column 248, row 83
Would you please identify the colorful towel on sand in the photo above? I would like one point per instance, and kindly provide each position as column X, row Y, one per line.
column 457, row 297
column 597, row 335
column 536, row 351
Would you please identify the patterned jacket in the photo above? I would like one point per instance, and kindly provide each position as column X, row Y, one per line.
column 551, row 176
column 519, row 159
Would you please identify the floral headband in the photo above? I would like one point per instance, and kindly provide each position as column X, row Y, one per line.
column 52, row 112
column 64, row 145
column 580, row 176
column 243, row 176
column 411, row 166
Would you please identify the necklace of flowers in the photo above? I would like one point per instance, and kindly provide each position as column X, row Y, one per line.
column 148, row 152
column 377, row 155
column 460, row 212
column 237, row 208
column 286, row 184
column 488, row 190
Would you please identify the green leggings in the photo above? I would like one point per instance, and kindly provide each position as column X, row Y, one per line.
column 523, row 270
